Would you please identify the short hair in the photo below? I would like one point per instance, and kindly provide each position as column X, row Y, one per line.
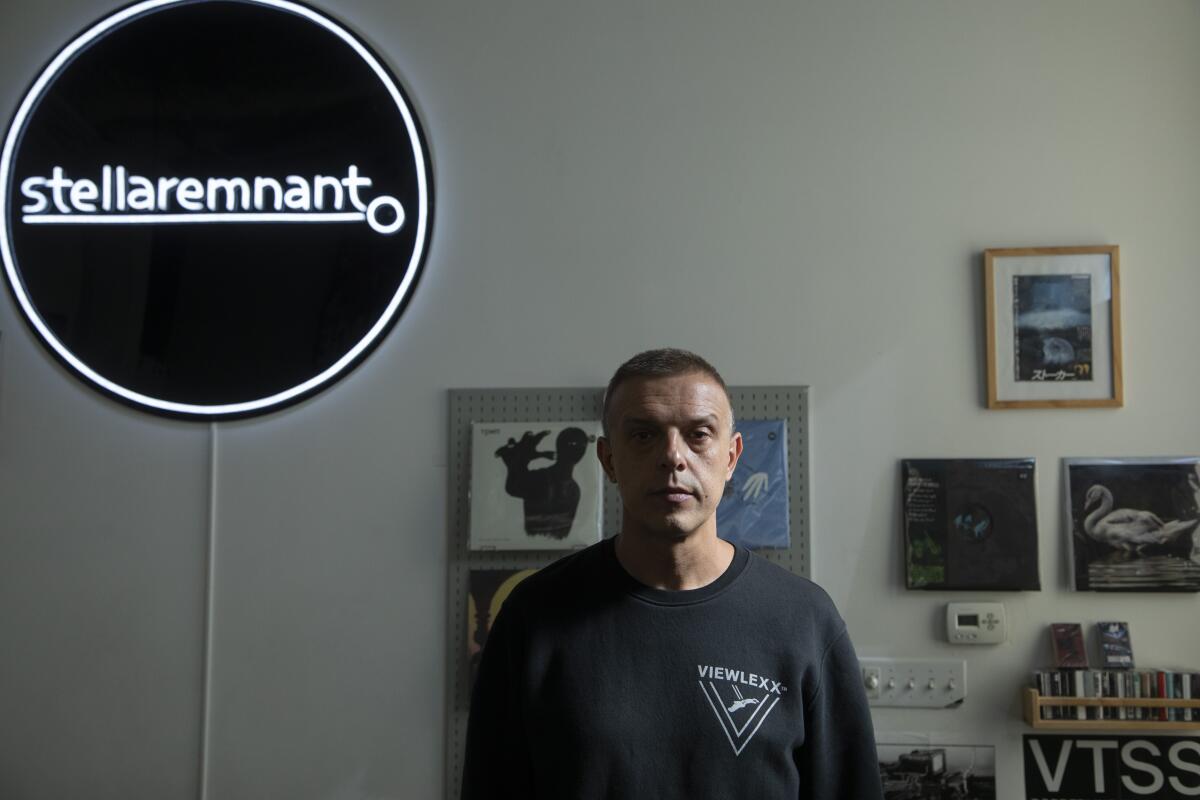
column 664, row 362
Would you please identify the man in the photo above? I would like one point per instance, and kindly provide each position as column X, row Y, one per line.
column 667, row 663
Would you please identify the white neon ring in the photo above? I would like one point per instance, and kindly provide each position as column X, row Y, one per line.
column 248, row 406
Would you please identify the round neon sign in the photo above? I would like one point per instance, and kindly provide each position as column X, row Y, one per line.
column 214, row 208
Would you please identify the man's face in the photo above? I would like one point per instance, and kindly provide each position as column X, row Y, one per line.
column 670, row 450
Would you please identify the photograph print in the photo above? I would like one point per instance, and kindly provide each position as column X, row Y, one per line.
column 754, row 509
column 1053, row 319
column 535, row 485
column 937, row 772
column 1132, row 524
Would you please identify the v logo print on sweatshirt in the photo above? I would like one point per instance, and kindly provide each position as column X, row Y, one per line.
column 740, row 712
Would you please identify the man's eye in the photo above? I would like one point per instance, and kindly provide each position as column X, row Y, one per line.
column 641, row 436
column 701, row 435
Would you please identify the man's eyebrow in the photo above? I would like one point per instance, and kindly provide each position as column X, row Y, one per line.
column 633, row 422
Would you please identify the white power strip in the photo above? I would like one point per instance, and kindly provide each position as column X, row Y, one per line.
column 914, row 682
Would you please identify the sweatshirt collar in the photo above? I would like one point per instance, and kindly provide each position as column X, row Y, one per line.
column 668, row 597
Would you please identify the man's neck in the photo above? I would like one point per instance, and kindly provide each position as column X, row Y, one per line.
column 659, row 562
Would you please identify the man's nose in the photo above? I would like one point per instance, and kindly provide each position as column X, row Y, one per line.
column 671, row 457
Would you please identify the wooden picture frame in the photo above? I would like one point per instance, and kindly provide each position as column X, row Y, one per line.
column 1053, row 327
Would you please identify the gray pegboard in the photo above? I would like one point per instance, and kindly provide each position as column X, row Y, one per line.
column 564, row 405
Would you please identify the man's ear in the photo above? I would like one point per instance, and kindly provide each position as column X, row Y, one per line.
column 604, row 453
column 735, row 452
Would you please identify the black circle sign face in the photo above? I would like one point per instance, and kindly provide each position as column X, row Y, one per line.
column 213, row 208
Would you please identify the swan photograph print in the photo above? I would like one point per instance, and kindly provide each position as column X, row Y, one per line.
column 1132, row 523
column 1053, row 327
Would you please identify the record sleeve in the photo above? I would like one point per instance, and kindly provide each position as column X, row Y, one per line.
column 970, row 524
column 535, row 485
column 487, row 589
column 1133, row 524
column 754, row 509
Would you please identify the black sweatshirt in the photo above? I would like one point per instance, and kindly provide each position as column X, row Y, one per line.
column 592, row 685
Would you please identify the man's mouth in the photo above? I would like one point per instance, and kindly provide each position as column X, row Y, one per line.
column 675, row 494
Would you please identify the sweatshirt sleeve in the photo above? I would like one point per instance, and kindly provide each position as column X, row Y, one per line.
column 838, row 758
column 497, row 763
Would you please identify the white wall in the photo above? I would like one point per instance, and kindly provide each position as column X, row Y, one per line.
column 798, row 191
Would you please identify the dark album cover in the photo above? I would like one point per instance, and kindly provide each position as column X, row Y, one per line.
column 1052, row 315
column 1133, row 524
column 487, row 591
column 1069, row 650
column 754, row 509
column 970, row 524
column 1115, row 645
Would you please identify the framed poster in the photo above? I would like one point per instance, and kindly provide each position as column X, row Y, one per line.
column 1132, row 523
column 754, row 509
column 1053, row 327
column 970, row 524
column 534, row 485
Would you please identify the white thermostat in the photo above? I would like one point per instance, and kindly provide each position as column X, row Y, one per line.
column 976, row 623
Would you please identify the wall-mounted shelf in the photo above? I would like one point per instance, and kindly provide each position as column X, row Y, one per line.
column 1033, row 703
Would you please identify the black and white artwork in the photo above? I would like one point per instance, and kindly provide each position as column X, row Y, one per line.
column 754, row 509
column 1132, row 524
column 1052, row 316
column 534, row 486
column 937, row 772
